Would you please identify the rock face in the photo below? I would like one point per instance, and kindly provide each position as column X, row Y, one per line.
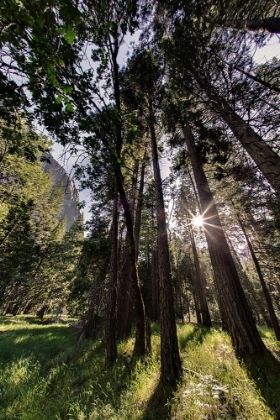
column 71, row 199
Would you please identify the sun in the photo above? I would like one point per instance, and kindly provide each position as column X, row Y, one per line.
column 197, row 221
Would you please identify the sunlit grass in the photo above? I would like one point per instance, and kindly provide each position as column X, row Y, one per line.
column 45, row 374
column 215, row 384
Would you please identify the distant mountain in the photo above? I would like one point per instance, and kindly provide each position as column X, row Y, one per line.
column 71, row 200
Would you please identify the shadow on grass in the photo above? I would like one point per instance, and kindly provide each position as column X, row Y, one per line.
column 159, row 405
column 20, row 319
column 197, row 336
column 59, row 373
column 41, row 342
column 265, row 372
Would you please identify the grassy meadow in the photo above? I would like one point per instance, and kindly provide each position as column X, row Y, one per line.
column 45, row 374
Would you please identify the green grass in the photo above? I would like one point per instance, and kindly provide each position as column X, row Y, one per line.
column 45, row 374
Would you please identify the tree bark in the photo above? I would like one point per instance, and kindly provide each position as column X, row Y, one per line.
column 270, row 24
column 125, row 297
column 265, row 158
column 170, row 359
column 200, row 283
column 154, row 311
column 139, row 207
column 256, row 301
column 111, row 322
column 269, row 303
column 125, row 292
column 140, row 339
column 236, row 315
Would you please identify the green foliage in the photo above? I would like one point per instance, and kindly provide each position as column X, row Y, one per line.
column 22, row 188
column 94, row 255
column 36, row 259
column 33, row 34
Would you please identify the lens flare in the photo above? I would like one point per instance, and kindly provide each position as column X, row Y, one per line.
column 197, row 221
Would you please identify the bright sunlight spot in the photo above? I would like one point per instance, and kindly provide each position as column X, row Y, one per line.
column 197, row 220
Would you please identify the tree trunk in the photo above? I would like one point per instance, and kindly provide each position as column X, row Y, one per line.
column 125, row 292
column 154, row 310
column 270, row 24
column 125, row 297
column 236, row 315
column 138, row 213
column 140, row 339
column 170, row 359
column 111, row 322
column 256, row 301
column 196, row 304
column 269, row 303
column 266, row 159
column 200, row 284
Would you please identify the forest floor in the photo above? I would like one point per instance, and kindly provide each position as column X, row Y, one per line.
column 45, row 374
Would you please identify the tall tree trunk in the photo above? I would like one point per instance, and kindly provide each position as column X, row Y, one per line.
column 140, row 339
column 111, row 322
column 170, row 359
column 235, row 312
column 137, row 226
column 270, row 24
column 191, row 275
column 125, row 297
column 125, row 292
column 196, row 304
column 139, row 207
column 154, row 310
column 256, row 301
column 269, row 303
column 152, row 253
column 200, row 283
column 266, row 159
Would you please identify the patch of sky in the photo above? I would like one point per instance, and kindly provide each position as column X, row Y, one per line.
column 269, row 51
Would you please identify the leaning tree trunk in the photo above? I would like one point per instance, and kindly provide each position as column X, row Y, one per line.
column 270, row 24
column 236, row 315
column 267, row 297
column 256, row 302
column 265, row 158
column 170, row 359
column 111, row 321
column 200, row 283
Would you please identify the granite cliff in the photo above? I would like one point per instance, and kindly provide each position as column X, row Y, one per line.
column 71, row 199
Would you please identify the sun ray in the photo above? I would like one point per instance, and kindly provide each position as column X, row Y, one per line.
column 197, row 220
